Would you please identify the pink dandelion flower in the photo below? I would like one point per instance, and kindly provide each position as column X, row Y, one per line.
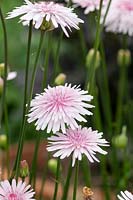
column 125, row 196
column 47, row 15
column 77, row 142
column 59, row 106
column 119, row 18
column 15, row 191
column 88, row 5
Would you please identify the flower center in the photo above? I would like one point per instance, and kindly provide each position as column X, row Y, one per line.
column 126, row 5
column 12, row 196
column 77, row 140
column 45, row 7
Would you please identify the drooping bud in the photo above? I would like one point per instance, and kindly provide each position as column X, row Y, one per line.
column 90, row 56
column 60, row 79
column 120, row 141
column 3, row 141
column 124, row 57
column 52, row 165
column 24, row 169
column 87, row 193
column 1, row 85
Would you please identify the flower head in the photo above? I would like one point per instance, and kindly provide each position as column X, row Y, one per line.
column 119, row 18
column 15, row 191
column 125, row 196
column 58, row 106
column 47, row 15
column 77, row 142
column 89, row 5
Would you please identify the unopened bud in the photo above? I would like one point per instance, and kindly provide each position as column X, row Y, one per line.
column 3, row 141
column 91, row 58
column 1, row 85
column 52, row 165
column 121, row 140
column 60, row 79
column 124, row 57
column 24, row 169
column 2, row 68
column 87, row 193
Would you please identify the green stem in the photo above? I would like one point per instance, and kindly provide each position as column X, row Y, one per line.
column 66, row 187
column 76, row 180
column 34, row 161
column 3, row 103
column 56, row 61
column 5, row 66
column 57, row 179
column 104, row 90
column 28, row 104
column 86, row 171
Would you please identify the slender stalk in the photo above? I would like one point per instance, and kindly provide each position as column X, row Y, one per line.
column 28, row 104
column 76, row 180
column 34, row 161
column 66, row 187
column 57, row 179
column 56, row 61
column 5, row 66
column 3, row 103
column 86, row 171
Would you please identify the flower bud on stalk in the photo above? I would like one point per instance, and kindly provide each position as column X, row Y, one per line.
column 90, row 57
column 52, row 165
column 24, row 169
column 3, row 141
column 121, row 140
column 60, row 79
column 124, row 57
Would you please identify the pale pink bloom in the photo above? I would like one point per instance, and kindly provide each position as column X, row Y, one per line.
column 120, row 17
column 15, row 191
column 48, row 15
column 77, row 142
column 11, row 75
column 125, row 196
column 59, row 106
column 89, row 5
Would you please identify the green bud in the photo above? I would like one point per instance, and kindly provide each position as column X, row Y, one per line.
column 90, row 57
column 124, row 57
column 2, row 68
column 3, row 141
column 121, row 140
column 24, row 169
column 52, row 165
column 60, row 79
column 1, row 85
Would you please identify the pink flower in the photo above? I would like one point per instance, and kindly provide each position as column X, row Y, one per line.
column 47, row 15
column 15, row 191
column 77, row 142
column 58, row 106
column 125, row 196
column 89, row 5
column 119, row 18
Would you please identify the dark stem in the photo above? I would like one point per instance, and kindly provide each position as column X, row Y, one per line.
column 76, row 180
column 57, row 179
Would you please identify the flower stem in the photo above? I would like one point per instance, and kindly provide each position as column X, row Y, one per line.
column 3, row 103
column 56, row 61
column 86, row 171
column 66, row 187
column 34, row 161
column 57, row 179
column 76, row 180
column 28, row 105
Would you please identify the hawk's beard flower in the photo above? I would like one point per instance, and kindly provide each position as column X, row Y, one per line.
column 125, row 196
column 88, row 5
column 47, row 15
column 119, row 18
column 59, row 106
column 77, row 142
column 15, row 191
